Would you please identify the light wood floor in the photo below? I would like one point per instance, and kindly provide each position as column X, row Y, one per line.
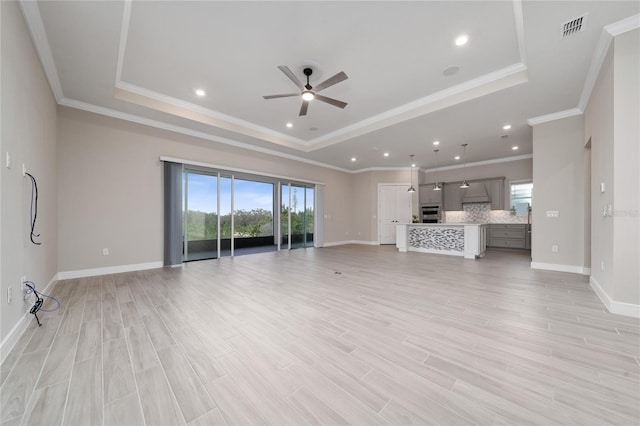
column 343, row 335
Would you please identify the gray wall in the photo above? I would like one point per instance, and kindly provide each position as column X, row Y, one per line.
column 559, row 185
column 612, row 126
column 28, row 134
column 110, row 187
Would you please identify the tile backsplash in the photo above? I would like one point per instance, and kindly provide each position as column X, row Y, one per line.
column 482, row 213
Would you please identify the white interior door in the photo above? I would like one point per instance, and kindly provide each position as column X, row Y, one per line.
column 394, row 207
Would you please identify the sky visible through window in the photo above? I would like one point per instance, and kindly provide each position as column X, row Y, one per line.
column 249, row 195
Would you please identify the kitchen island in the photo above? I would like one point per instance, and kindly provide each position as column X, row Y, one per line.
column 456, row 239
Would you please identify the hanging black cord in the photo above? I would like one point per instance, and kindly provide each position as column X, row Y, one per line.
column 34, row 214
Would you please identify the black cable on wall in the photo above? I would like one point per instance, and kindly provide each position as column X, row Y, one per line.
column 33, row 209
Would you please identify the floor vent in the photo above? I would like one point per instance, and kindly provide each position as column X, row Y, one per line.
column 573, row 26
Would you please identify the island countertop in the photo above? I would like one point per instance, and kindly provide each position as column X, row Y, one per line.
column 457, row 239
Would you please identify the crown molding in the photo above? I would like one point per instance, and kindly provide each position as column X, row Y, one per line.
column 480, row 163
column 124, row 35
column 189, row 132
column 624, row 25
column 519, row 21
column 382, row 169
column 178, row 107
column 554, row 116
column 32, row 17
column 501, row 79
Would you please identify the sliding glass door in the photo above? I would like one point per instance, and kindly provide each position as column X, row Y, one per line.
column 200, row 215
column 225, row 216
column 296, row 216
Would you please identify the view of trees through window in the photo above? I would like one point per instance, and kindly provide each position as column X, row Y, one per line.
column 207, row 200
column 253, row 208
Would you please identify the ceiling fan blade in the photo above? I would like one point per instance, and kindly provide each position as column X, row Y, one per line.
column 291, row 76
column 303, row 108
column 341, row 76
column 331, row 101
column 281, row 96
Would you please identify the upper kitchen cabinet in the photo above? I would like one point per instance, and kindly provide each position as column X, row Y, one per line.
column 428, row 195
column 487, row 191
column 452, row 196
column 496, row 191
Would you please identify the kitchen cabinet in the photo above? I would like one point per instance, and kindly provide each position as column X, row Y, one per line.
column 428, row 196
column 479, row 191
column 496, row 193
column 508, row 235
column 452, row 196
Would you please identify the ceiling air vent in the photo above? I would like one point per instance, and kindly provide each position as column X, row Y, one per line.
column 573, row 26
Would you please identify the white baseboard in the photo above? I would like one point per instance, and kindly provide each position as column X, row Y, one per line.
column 342, row 243
column 561, row 268
column 364, row 242
column 620, row 308
column 9, row 342
column 65, row 275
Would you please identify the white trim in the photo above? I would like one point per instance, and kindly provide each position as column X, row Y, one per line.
column 337, row 243
column 342, row 243
column 31, row 13
column 235, row 169
column 619, row 308
column 383, row 169
column 597, row 60
column 519, row 21
column 437, row 251
column 561, row 268
column 124, row 35
column 206, row 115
column 480, row 163
column 627, row 24
column 65, row 275
column 554, row 116
column 194, row 133
column 10, row 340
column 364, row 242
column 512, row 75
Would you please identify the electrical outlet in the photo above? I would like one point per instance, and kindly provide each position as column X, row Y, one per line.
column 23, row 285
column 8, row 160
column 553, row 213
column 105, row 252
column 9, row 295
column 554, row 248
column 602, row 265
column 24, row 170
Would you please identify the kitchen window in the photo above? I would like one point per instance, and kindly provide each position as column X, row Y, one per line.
column 521, row 192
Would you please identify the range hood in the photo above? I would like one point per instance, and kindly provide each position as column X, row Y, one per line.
column 476, row 193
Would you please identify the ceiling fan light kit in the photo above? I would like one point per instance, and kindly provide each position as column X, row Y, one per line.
column 308, row 92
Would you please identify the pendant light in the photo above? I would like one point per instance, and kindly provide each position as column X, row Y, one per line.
column 411, row 188
column 437, row 186
column 465, row 184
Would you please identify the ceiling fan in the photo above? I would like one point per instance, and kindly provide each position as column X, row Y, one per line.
column 308, row 92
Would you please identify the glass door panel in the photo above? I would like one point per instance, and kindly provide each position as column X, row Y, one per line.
column 225, row 215
column 308, row 216
column 200, row 217
column 253, row 216
column 284, row 217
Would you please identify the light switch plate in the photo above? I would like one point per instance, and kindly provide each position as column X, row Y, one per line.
column 602, row 187
column 553, row 213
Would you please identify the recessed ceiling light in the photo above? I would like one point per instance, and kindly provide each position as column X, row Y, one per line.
column 200, row 92
column 514, row 148
column 289, row 125
column 506, row 127
column 413, row 165
column 353, row 158
column 386, row 154
column 436, row 142
column 457, row 157
column 462, row 39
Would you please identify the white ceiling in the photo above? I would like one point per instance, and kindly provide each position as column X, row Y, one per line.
column 142, row 60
